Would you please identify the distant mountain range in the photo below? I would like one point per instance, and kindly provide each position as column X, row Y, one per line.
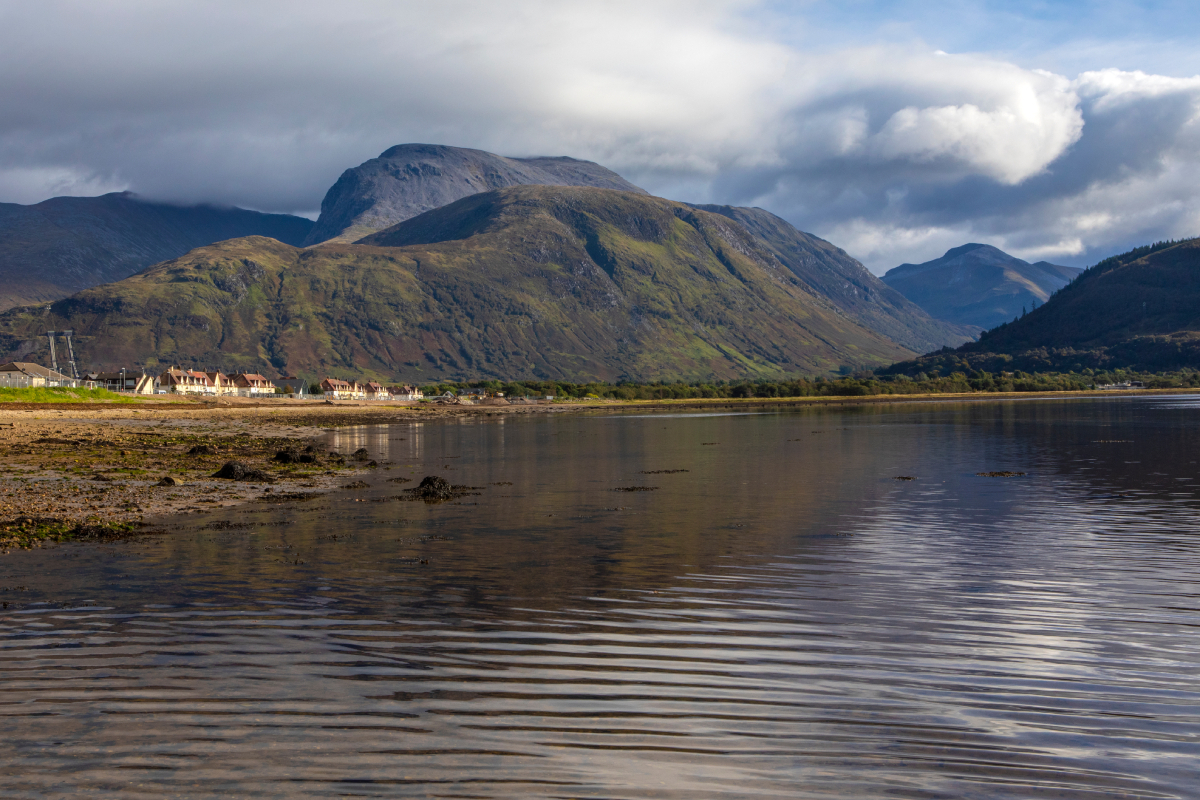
column 525, row 282
column 58, row 247
column 978, row 285
column 1138, row 310
column 410, row 179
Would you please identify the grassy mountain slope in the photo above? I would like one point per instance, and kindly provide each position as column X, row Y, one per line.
column 831, row 273
column 525, row 282
column 58, row 247
column 1140, row 310
column 410, row 179
column 978, row 285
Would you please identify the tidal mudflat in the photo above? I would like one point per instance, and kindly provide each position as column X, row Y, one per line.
column 992, row 600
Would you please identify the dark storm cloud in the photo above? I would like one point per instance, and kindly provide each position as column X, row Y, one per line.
column 894, row 152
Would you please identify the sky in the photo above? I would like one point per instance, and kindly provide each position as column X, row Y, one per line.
column 1065, row 131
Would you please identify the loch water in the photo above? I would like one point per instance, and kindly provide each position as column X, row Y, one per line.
column 779, row 617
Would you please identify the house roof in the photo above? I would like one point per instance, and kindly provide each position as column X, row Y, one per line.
column 35, row 370
column 177, row 375
column 130, row 375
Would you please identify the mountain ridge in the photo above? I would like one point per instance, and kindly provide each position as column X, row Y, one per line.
column 829, row 271
column 55, row 248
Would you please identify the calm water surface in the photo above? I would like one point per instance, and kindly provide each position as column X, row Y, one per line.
column 783, row 619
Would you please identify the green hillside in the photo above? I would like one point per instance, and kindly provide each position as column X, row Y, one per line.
column 1139, row 310
column 520, row 283
column 830, row 272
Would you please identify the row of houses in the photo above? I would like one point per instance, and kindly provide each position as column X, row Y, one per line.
column 217, row 383
column 26, row 375
column 22, row 374
column 353, row 390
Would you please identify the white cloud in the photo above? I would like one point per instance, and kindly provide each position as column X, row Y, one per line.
column 894, row 152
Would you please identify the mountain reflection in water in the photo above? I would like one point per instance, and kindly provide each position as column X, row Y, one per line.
column 782, row 619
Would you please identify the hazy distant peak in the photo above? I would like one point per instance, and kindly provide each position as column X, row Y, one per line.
column 978, row 284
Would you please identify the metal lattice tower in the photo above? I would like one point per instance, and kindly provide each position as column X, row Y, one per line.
column 71, row 354
column 53, row 356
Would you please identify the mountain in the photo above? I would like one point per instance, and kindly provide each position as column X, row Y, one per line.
column 525, row 282
column 829, row 272
column 978, row 285
column 410, row 179
column 58, row 247
column 1138, row 310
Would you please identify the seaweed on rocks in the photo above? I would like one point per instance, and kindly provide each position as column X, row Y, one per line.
column 356, row 485
column 28, row 532
column 361, row 454
column 202, row 450
column 237, row 471
column 169, row 481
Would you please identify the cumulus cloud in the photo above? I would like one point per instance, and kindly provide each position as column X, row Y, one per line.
column 895, row 152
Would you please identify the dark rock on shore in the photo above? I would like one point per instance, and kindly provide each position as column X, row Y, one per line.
column 290, row 455
column 202, row 450
column 237, row 471
column 435, row 489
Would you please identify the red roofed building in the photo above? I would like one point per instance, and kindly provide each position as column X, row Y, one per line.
column 251, row 384
column 376, row 391
column 184, row 381
column 341, row 390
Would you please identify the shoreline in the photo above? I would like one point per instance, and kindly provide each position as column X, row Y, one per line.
column 96, row 471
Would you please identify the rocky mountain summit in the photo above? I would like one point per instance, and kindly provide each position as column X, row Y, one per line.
column 410, row 179
column 979, row 285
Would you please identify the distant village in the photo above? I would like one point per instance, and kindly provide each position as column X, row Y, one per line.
column 212, row 383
